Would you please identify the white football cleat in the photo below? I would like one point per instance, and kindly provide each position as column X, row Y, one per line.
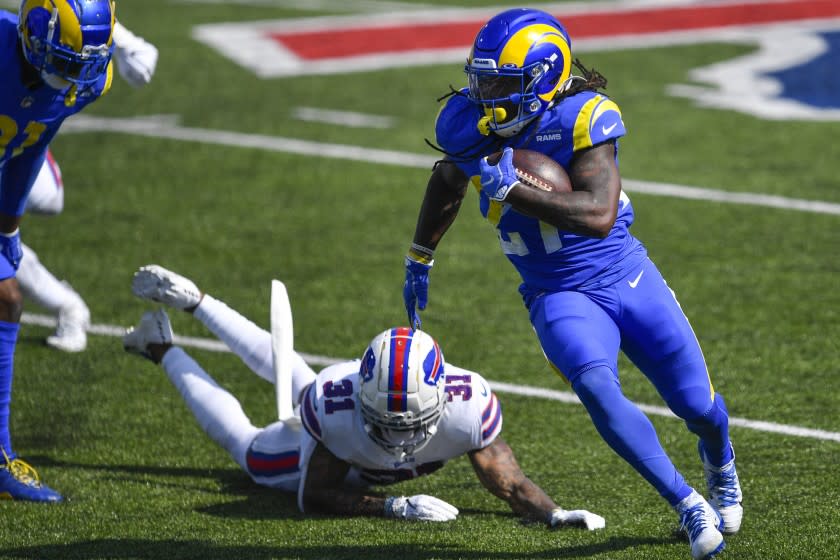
column 71, row 332
column 158, row 284
column 154, row 328
column 724, row 492
column 702, row 525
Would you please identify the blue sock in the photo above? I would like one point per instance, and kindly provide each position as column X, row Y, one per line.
column 629, row 432
column 8, row 340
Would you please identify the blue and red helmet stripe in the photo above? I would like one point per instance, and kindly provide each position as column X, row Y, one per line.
column 401, row 338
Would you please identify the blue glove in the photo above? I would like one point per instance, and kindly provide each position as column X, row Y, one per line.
column 416, row 288
column 10, row 248
column 498, row 180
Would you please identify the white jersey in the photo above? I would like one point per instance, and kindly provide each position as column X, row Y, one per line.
column 278, row 456
column 471, row 419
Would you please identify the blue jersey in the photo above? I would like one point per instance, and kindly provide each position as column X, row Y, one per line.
column 29, row 118
column 547, row 259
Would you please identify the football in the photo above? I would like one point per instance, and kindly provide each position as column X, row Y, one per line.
column 537, row 170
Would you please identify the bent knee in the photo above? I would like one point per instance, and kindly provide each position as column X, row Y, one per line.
column 690, row 403
column 11, row 300
column 595, row 385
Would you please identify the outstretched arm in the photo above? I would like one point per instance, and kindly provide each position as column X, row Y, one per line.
column 499, row 472
column 444, row 193
column 325, row 491
column 136, row 58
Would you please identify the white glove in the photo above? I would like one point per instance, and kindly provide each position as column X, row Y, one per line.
column 136, row 58
column 421, row 507
column 577, row 517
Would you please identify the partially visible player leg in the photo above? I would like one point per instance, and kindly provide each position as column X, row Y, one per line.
column 248, row 341
column 217, row 411
column 40, row 286
column 581, row 340
column 660, row 341
column 18, row 481
column 47, row 193
column 274, row 456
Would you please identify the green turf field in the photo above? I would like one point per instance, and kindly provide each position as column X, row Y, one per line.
column 142, row 481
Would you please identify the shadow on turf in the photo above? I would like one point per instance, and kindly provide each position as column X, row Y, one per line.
column 171, row 549
column 265, row 503
column 259, row 503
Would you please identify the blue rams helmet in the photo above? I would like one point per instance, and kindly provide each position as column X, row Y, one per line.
column 70, row 39
column 519, row 60
column 401, row 389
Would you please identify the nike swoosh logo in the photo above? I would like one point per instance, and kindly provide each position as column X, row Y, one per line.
column 489, row 181
column 606, row 130
column 635, row 282
column 483, row 390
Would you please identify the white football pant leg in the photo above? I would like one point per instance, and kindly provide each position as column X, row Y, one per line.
column 274, row 457
column 40, row 286
column 217, row 411
column 251, row 343
column 47, row 194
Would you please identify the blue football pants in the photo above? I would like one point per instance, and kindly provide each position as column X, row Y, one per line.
column 581, row 333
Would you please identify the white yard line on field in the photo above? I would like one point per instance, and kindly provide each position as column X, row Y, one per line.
column 166, row 126
column 523, row 390
column 350, row 119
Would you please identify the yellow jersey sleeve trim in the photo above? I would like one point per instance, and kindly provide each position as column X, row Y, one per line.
column 581, row 137
column 494, row 212
column 587, row 117
column 607, row 105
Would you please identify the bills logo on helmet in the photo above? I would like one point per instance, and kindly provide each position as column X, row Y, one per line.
column 433, row 366
column 367, row 365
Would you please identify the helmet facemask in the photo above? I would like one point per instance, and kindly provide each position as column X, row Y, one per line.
column 508, row 95
column 400, row 435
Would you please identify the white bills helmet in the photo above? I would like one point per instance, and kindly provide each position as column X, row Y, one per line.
column 402, row 394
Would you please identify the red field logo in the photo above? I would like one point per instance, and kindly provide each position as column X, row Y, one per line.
column 789, row 34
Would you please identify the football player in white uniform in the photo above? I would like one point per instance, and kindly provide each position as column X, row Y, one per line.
column 136, row 60
column 398, row 413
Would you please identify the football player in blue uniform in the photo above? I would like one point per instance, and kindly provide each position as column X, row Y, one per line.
column 135, row 60
column 55, row 59
column 588, row 284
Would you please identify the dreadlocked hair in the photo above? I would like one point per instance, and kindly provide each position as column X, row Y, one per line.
column 591, row 80
column 452, row 91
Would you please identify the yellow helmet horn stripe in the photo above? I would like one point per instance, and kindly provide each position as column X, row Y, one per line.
column 70, row 28
column 520, row 44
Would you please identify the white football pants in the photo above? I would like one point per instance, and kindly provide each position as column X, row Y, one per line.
column 217, row 411
column 36, row 282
